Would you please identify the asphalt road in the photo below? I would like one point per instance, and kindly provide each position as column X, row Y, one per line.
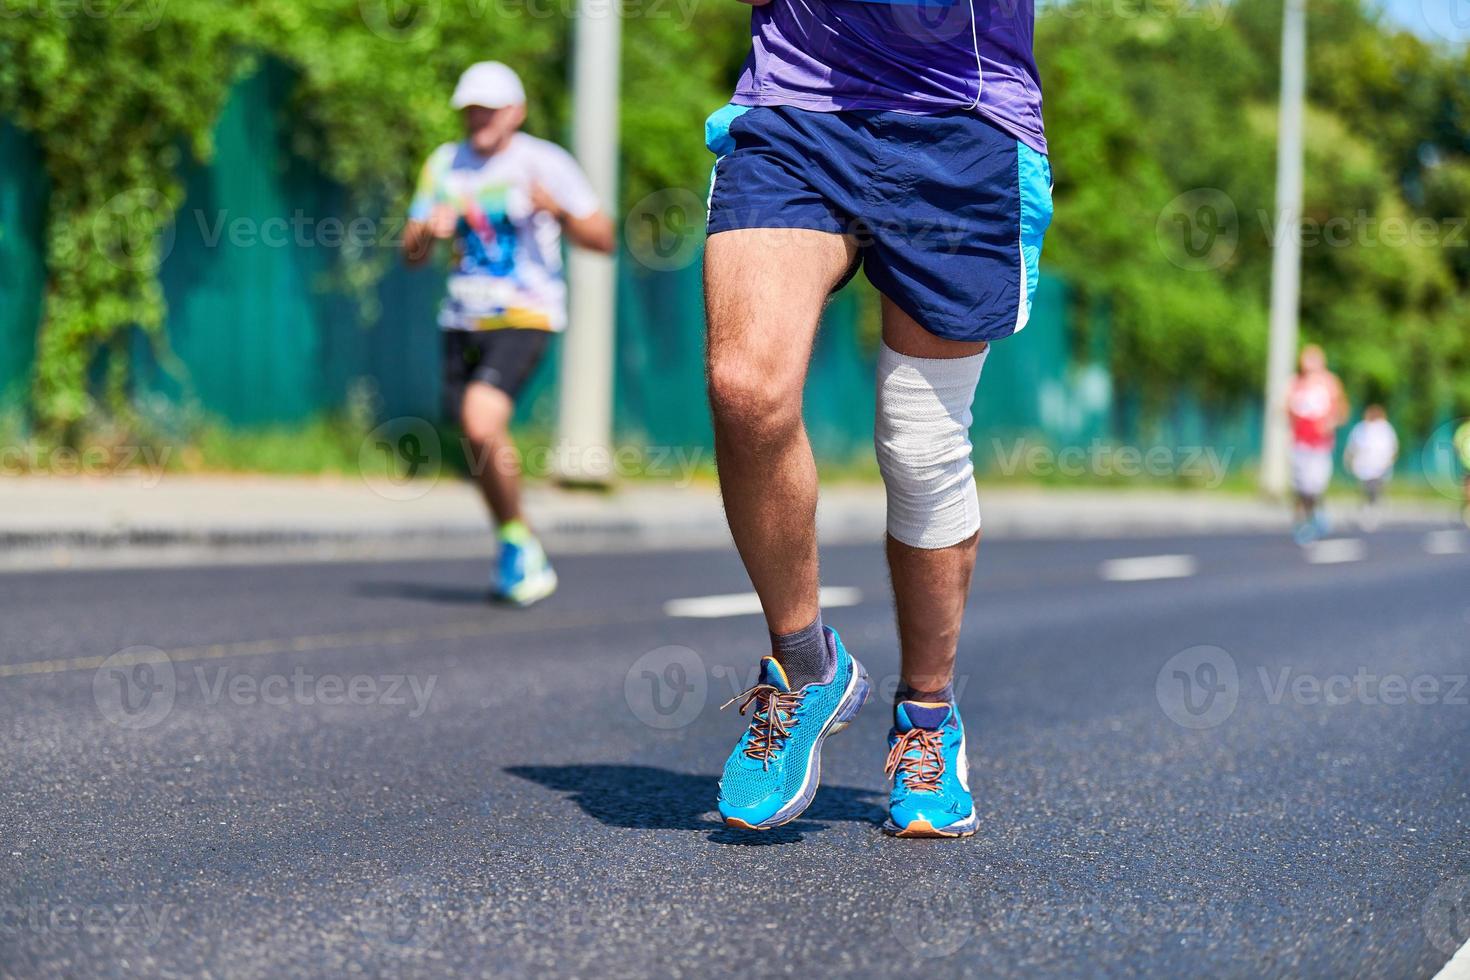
column 1258, row 767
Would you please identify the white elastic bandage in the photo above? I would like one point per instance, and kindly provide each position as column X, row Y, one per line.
column 922, row 438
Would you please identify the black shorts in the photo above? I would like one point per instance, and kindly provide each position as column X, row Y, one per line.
column 502, row 358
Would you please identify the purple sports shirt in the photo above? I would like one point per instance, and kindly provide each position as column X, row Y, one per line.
column 921, row 57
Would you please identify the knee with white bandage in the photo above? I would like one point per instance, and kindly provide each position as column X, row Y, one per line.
column 922, row 437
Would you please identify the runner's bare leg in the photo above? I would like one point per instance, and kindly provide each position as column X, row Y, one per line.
column 485, row 416
column 764, row 293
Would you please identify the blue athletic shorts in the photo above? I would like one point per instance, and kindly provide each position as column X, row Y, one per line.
column 948, row 209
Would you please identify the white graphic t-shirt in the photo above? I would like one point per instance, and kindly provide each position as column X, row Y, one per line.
column 507, row 267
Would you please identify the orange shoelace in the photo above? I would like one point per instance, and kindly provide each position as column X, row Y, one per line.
column 920, row 772
column 771, row 721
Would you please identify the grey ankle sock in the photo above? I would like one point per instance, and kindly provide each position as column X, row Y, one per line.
column 906, row 693
column 806, row 656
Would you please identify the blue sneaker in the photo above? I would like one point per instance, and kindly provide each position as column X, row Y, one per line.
column 523, row 574
column 931, row 777
column 1304, row 532
column 772, row 775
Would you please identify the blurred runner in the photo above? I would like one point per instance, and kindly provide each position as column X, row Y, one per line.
column 1372, row 448
column 1317, row 406
column 504, row 199
column 905, row 138
column 1462, row 450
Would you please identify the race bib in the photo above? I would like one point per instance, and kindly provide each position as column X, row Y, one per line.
column 481, row 295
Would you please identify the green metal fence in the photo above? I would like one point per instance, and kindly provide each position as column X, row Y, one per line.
column 22, row 271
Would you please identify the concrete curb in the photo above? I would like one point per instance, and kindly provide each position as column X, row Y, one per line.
column 49, row 523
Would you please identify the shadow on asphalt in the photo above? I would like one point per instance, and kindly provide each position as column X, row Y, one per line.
column 650, row 798
column 424, row 592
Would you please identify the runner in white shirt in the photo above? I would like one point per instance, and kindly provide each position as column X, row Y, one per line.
column 503, row 199
column 1372, row 448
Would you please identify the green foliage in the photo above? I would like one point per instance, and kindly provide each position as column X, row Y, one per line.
column 1167, row 113
column 1155, row 113
column 110, row 100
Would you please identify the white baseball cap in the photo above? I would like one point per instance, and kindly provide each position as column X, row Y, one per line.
column 489, row 84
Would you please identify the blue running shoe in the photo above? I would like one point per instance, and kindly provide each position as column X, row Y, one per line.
column 773, row 773
column 523, row 574
column 1304, row 532
column 931, row 777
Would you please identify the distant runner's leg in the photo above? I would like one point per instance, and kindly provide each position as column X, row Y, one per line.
column 505, row 360
column 485, row 418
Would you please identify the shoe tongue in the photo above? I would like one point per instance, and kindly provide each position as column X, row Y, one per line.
column 772, row 674
column 921, row 714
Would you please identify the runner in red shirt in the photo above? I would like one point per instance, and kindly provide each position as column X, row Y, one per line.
column 1316, row 405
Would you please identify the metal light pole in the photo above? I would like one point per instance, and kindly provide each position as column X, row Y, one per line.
column 1286, row 259
column 584, row 422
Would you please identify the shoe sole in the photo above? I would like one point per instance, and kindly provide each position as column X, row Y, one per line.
column 852, row 703
column 923, row 828
column 530, row 596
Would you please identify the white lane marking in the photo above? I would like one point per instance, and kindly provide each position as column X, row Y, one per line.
column 1458, row 968
column 748, row 603
column 1148, row 567
column 1445, row 542
column 1335, row 551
